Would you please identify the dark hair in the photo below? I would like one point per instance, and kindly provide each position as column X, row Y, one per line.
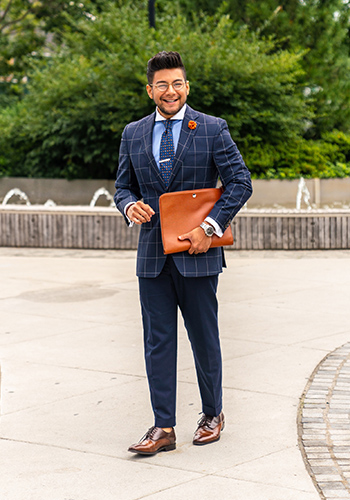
column 164, row 60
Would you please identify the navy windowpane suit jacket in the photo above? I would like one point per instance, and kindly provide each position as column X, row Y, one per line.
column 203, row 154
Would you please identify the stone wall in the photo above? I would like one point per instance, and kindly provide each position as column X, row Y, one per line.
column 104, row 228
column 267, row 193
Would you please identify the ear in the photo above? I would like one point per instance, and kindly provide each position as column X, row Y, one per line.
column 187, row 87
column 149, row 91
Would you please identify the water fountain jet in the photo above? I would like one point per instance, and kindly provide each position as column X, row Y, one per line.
column 102, row 192
column 16, row 192
column 303, row 192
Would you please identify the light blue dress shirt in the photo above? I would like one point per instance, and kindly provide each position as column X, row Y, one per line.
column 158, row 130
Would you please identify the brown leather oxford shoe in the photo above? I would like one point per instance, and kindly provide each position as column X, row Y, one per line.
column 154, row 441
column 209, row 429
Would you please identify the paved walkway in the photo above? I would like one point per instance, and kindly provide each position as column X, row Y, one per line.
column 74, row 394
column 324, row 425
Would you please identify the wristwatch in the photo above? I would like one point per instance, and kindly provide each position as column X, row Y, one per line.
column 208, row 229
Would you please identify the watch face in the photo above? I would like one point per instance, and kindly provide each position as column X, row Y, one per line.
column 209, row 231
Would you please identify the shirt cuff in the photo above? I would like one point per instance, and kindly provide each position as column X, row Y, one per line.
column 216, row 226
column 126, row 209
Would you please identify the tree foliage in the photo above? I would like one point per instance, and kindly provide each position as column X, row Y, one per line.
column 71, row 120
column 30, row 30
column 319, row 27
column 86, row 81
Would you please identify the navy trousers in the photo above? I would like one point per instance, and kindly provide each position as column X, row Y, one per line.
column 160, row 298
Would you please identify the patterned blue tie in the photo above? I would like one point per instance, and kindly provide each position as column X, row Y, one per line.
column 166, row 152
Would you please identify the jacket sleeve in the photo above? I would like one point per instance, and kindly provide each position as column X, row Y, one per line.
column 127, row 187
column 234, row 175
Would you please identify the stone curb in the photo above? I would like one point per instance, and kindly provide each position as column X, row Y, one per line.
column 324, row 425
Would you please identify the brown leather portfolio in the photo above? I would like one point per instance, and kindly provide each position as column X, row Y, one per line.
column 182, row 211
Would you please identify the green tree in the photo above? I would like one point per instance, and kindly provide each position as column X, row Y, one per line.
column 321, row 28
column 92, row 82
column 30, row 30
column 324, row 32
column 70, row 122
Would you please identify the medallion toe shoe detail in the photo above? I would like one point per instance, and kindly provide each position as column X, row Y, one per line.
column 209, row 429
column 154, row 441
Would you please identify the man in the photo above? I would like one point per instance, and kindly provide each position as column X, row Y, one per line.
column 175, row 149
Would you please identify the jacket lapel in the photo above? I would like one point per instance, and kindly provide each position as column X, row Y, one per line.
column 148, row 148
column 185, row 141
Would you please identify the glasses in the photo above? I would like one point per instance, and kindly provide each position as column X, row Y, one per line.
column 162, row 87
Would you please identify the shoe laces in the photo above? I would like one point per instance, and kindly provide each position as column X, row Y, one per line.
column 205, row 420
column 149, row 434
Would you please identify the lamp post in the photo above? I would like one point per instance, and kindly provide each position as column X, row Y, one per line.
column 151, row 14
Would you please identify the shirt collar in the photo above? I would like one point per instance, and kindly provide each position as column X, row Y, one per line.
column 179, row 115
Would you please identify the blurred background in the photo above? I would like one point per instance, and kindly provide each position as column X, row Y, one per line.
column 73, row 74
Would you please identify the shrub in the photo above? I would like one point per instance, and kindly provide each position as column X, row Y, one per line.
column 78, row 102
column 299, row 158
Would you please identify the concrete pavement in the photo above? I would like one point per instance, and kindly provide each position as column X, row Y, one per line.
column 74, row 394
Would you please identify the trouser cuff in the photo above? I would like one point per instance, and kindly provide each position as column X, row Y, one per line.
column 164, row 423
column 212, row 412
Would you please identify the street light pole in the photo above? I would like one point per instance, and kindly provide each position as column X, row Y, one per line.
column 151, row 14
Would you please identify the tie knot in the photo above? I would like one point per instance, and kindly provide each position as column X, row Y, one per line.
column 168, row 124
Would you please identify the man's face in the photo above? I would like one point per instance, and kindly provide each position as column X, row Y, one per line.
column 170, row 101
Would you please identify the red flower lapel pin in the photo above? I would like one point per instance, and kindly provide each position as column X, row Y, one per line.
column 192, row 125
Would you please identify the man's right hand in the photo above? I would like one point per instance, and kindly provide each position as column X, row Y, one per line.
column 140, row 212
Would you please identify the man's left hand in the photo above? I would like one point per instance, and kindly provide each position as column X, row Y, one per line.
column 200, row 243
